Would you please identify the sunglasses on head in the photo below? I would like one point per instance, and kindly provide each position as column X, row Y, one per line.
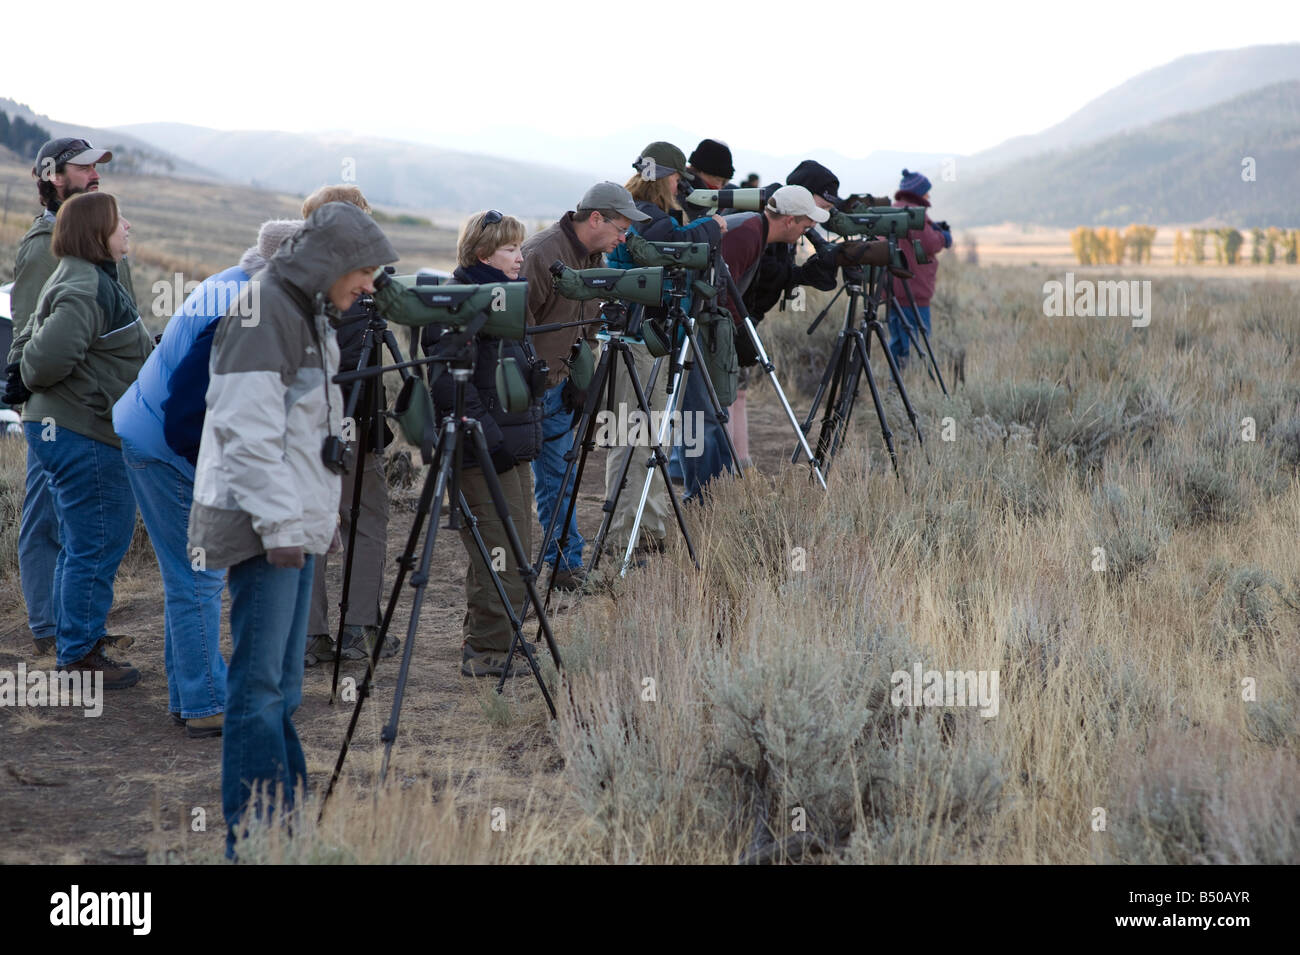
column 492, row 217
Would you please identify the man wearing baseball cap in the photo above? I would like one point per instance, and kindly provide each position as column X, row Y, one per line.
column 790, row 212
column 580, row 240
column 64, row 167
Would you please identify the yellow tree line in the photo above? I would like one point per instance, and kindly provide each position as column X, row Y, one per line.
column 1106, row 246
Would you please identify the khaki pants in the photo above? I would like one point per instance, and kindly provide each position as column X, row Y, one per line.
column 654, row 520
column 368, row 563
column 487, row 625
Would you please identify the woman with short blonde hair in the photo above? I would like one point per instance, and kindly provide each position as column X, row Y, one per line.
column 486, row 233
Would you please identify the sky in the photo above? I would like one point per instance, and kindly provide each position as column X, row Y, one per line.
column 935, row 77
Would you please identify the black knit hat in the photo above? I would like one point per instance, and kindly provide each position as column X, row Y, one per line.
column 817, row 179
column 714, row 158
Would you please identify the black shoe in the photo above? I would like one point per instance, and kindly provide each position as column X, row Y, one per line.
column 117, row 676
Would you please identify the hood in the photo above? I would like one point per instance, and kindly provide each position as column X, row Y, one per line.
column 336, row 239
column 251, row 261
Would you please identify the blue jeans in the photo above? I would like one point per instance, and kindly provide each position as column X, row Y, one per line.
column 262, row 765
column 898, row 341
column 38, row 549
column 548, row 473
column 714, row 458
column 96, row 514
column 196, row 673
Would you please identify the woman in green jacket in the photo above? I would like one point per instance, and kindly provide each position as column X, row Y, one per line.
column 83, row 348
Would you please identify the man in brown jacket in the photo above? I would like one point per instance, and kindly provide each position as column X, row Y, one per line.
column 580, row 240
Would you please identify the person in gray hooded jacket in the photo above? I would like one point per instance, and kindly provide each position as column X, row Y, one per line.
column 265, row 503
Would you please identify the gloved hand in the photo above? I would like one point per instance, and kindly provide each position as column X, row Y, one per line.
column 946, row 232
column 502, row 460
column 818, row 271
column 16, row 392
column 572, row 396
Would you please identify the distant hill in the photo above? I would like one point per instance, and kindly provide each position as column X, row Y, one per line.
column 1184, row 169
column 1186, row 84
column 130, row 153
column 391, row 172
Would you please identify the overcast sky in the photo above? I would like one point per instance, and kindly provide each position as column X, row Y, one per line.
column 780, row 78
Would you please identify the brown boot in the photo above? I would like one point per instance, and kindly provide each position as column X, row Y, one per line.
column 204, row 727
column 117, row 676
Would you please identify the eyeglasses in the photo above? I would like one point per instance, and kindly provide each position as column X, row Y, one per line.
column 622, row 230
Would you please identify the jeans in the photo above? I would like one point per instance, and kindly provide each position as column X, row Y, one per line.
column 96, row 514
column 714, row 458
column 548, row 473
column 38, row 549
column 262, row 764
column 196, row 672
column 898, row 341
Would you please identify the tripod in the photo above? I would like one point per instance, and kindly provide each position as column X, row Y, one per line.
column 602, row 390
column 911, row 328
column 445, row 456
column 850, row 359
column 365, row 394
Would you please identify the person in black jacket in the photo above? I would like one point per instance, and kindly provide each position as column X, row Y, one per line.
column 489, row 252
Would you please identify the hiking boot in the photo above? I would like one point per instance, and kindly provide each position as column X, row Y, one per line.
column 44, row 646
column 117, row 676
column 359, row 643
column 491, row 663
column 569, row 580
column 176, row 718
column 205, row 727
column 320, row 649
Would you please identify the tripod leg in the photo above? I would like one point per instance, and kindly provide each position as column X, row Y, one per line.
column 902, row 389
column 765, row 363
column 719, row 413
column 925, row 336
column 430, row 507
column 657, row 459
column 860, row 343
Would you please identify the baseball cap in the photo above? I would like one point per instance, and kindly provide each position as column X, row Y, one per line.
column 796, row 201
column 817, row 179
column 69, row 150
column 612, row 196
column 660, row 160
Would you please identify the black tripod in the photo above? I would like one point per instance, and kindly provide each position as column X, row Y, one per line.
column 365, row 394
column 850, row 359
column 445, row 455
column 913, row 327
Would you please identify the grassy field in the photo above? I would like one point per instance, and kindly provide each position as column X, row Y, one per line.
column 1099, row 522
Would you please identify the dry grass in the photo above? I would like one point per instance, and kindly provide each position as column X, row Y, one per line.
column 1121, row 690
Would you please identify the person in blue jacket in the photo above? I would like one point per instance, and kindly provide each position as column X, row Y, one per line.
column 160, row 420
column 661, row 169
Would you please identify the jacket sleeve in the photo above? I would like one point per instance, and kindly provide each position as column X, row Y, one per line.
column 247, row 415
column 666, row 229
column 932, row 241
column 184, row 407
column 33, row 266
column 62, row 339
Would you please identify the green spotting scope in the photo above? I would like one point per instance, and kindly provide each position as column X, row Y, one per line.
column 642, row 286
column 915, row 214
column 668, row 255
column 739, row 200
column 895, row 222
column 416, row 301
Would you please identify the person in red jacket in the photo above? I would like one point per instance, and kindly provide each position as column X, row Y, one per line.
column 935, row 237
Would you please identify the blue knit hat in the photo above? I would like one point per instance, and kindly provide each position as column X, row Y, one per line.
column 915, row 183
